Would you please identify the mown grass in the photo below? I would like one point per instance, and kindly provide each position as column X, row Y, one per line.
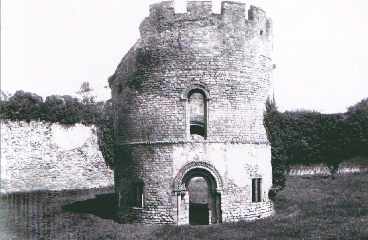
column 310, row 207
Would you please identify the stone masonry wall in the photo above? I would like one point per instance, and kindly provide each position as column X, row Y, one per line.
column 228, row 57
column 44, row 156
column 227, row 54
column 158, row 166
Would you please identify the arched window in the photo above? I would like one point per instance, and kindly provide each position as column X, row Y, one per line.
column 197, row 112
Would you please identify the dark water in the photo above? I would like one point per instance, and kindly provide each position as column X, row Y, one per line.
column 45, row 214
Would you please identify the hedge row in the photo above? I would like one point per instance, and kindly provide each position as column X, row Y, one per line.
column 62, row 109
column 306, row 137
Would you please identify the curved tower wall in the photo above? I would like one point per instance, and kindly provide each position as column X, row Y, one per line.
column 227, row 56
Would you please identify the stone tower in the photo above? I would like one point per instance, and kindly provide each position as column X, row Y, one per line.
column 188, row 100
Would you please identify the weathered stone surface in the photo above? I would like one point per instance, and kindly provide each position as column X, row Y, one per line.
column 45, row 156
column 225, row 56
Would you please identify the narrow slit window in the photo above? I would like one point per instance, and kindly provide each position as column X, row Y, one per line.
column 256, row 190
column 138, row 195
column 197, row 111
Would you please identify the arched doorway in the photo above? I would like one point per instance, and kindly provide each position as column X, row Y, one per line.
column 199, row 201
column 199, row 197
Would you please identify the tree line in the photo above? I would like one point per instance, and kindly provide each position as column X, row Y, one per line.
column 310, row 137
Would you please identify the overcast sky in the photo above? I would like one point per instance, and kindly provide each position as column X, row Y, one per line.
column 51, row 47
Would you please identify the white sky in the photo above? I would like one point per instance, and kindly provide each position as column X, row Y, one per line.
column 51, row 47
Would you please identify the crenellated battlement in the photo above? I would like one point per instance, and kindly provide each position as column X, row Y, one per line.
column 163, row 10
column 236, row 14
column 199, row 9
column 230, row 8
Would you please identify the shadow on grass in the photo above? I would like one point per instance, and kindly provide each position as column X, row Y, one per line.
column 103, row 206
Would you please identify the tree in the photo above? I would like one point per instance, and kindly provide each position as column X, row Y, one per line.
column 4, row 96
column 357, row 117
column 105, row 133
column 22, row 106
column 86, row 93
column 361, row 106
column 273, row 120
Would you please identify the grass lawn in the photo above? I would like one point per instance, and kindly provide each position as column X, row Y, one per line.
column 310, row 207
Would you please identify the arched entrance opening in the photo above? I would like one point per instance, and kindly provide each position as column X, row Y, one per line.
column 199, row 198
column 200, row 201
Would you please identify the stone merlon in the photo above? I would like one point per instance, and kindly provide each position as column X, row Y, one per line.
column 163, row 14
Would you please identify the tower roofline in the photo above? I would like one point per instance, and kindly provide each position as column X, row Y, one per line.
column 234, row 15
column 165, row 11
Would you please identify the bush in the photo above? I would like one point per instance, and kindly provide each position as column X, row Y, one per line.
column 22, row 106
column 307, row 137
column 273, row 117
column 105, row 133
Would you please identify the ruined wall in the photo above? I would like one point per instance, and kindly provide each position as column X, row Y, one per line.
column 45, row 156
